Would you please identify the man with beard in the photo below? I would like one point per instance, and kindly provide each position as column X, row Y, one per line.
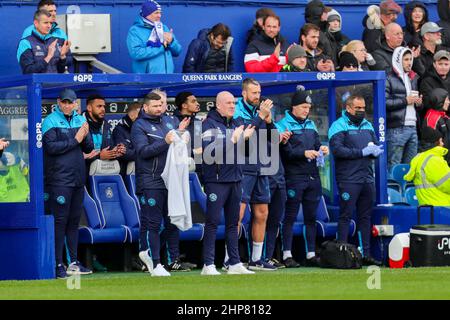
column 309, row 39
column 104, row 147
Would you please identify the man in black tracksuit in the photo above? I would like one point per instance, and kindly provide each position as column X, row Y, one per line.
column 122, row 135
column 303, row 184
column 222, row 178
column 354, row 145
column 65, row 138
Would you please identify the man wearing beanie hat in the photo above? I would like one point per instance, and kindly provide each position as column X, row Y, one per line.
column 430, row 172
column 354, row 147
column 151, row 44
column 301, row 156
column 296, row 59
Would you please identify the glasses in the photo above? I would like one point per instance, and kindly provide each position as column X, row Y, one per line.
column 361, row 50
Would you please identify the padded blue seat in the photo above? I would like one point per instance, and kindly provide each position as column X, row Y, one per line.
column 117, row 209
column 398, row 171
column 411, row 197
column 327, row 228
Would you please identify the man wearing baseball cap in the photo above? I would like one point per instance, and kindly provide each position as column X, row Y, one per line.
column 65, row 138
column 302, row 154
column 436, row 77
column 432, row 41
column 151, row 44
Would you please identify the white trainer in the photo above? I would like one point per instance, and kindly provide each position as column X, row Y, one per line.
column 159, row 271
column 145, row 258
column 209, row 270
column 239, row 268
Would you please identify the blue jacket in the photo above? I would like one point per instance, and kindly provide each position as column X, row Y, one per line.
column 64, row 163
column 346, row 142
column 122, row 134
column 148, row 59
column 305, row 137
column 148, row 136
column 247, row 114
column 55, row 31
column 197, row 55
column 220, row 171
column 33, row 49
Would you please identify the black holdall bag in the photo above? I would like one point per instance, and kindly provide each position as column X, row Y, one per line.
column 340, row 255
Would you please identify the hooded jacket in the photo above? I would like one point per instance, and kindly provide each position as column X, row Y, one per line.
column 383, row 56
column 431, row 176
column 147, row 59
column 436, row 117
column 215, row 132
column 410, row 34
column 336, row 39
column 396, row 91
column 64, row 163
column 305, row 137
column 444, row 13
column 199, row 50
column 148, row 134
column 347, row 140
column 259, row 55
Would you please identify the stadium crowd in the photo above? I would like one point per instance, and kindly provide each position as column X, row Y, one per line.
column 416, row 60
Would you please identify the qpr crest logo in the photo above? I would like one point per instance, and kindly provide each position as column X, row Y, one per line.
column 109, row 193
column 169, row 125
column 213, row 197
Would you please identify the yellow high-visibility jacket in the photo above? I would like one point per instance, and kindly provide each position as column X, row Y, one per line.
column 431, row 176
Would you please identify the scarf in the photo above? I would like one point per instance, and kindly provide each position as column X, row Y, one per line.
column 156, row 37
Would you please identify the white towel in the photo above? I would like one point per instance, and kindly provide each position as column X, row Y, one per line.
column 176, row 178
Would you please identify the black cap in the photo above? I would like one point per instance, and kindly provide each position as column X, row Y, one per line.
column 67, row 94
column 182, row 97
column 347, row 59
column 300, row 97
column 430, row 135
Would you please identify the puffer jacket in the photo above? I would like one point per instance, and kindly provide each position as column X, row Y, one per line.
column 396, row 103
column 259, row 55
column 383, row 56
column 313, row 13
column 431, row 80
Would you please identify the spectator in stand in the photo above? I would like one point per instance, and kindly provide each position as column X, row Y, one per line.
column 393, row 38
column 436, row 116
column 416, row 15
column 436, row 77
column 431, row 39
column 211, row 51
column 266, row 52
column 316, row 13
column 325, row 64
column 257, row 28
column 296, row 59
column 334, row 34
column 402, row 104
column 376, row 20
column 348, row 62
column 41, row 51
column 357, row 48
column 122, row 135
column 309, row 39
column 443, row 9
column 151, row 44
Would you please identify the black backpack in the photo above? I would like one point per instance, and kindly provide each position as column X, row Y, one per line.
column 340, row 255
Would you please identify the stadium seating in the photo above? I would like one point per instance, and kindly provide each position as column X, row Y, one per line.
column 410, row 197
column 395, row 197
column 130, row 183
column 325, row 227
column 398, row 171
column 116, row 207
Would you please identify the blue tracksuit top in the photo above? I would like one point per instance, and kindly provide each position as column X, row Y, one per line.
column 64, row 163
column 147, row 59
column 148, row 135
column 248, row 114
column 33, row 48
column 346, row 143
column 214, row 129
column 305, row 137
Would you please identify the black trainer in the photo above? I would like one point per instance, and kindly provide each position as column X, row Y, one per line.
column 291, row 263
column 313, row 262
column 276, row 263
column 369, row 261
column 177, row 265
